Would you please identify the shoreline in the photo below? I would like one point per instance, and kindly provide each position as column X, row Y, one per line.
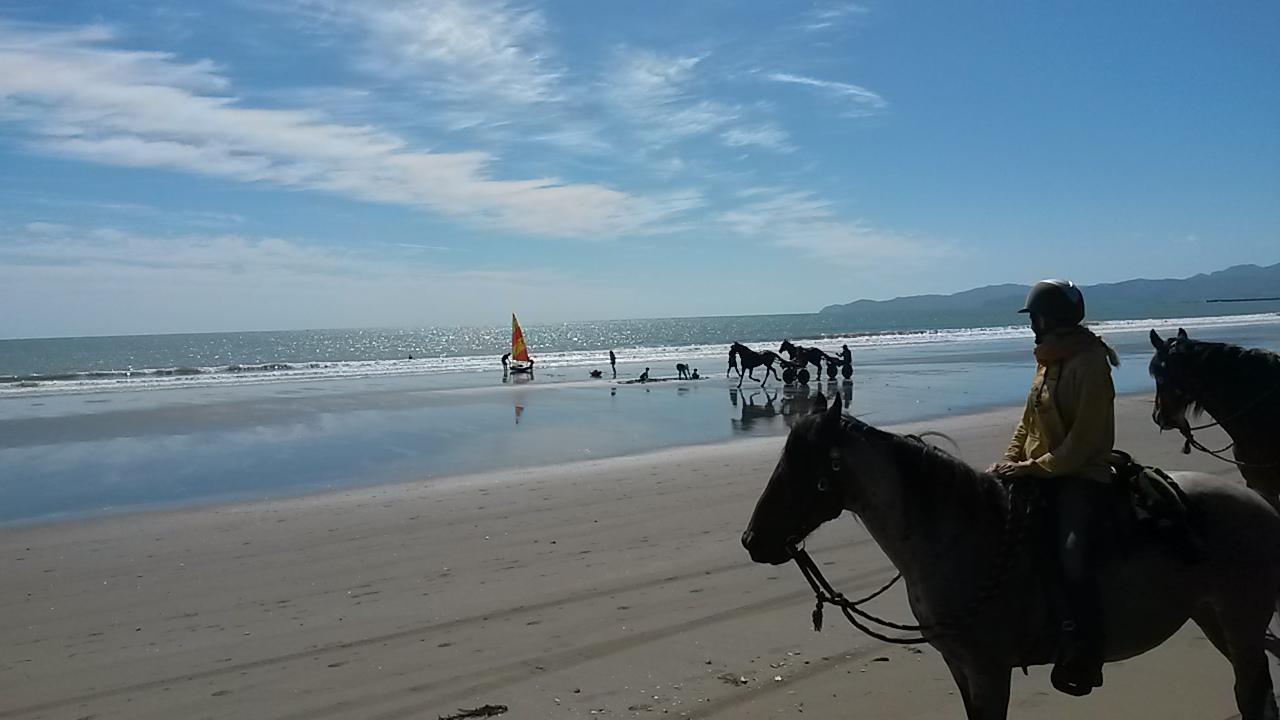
column 74, row 456
column 495, row 477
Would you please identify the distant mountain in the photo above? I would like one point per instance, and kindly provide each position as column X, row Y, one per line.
column 1236, row 290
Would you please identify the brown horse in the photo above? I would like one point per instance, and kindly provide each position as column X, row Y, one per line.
column 1239, row 388
column 944, row 525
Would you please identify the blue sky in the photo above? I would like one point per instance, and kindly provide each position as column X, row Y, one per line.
column 170, row 167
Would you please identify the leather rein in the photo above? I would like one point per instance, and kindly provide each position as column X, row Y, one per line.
column 825, row 594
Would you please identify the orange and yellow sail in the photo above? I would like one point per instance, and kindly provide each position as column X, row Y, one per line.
column 519, row 352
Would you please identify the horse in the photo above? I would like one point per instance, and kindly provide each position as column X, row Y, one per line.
column 945, row 526
column 751, row 360
column 806, row 355
column 1238, row 387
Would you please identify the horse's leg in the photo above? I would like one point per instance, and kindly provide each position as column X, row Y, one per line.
column 1244, row 633
column 962, row 683
column 988, row 692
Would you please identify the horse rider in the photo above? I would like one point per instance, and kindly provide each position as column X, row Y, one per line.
column 1066, row 433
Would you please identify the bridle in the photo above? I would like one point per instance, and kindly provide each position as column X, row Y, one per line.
column 1189, row 439
column 825, row 594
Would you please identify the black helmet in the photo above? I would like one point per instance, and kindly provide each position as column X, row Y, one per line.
column 1060, row 300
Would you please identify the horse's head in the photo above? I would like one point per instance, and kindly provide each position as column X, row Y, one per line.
column 787, row 347
column 813, row 482
column 1175, row 381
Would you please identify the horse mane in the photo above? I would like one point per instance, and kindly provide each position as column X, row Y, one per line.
column 1239, row 371
column 936, row 480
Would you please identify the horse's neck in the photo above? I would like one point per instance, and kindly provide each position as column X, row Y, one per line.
column 941, row 547
column 1234, row 407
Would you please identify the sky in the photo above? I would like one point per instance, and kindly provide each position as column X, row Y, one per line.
column 255, row 164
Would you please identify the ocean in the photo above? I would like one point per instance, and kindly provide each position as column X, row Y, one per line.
column 92, row 426
column 133, row 362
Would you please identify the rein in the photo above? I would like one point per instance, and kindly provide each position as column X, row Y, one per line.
column 1010, row 537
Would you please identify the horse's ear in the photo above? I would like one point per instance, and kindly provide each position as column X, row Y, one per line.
column 818, row 405
column 1156, row 341
column 831, row 418
column 1182, row 334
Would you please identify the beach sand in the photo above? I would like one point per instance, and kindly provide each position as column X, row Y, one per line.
column 613, row 588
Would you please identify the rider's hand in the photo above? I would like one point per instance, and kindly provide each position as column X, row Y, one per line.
column 1010, row 469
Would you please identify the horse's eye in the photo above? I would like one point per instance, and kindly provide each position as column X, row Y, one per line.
column 822, row 484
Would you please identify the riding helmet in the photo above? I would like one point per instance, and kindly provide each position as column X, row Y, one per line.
column 1057, row 299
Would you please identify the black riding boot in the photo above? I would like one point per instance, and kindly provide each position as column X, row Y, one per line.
column 1079, row 667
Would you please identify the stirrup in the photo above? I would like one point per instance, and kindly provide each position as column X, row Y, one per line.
column 1070, row 674
column 1073, row 680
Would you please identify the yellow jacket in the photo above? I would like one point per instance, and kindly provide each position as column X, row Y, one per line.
column 1068, row 426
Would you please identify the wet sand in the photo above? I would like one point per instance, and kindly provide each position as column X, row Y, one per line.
column 613, row 588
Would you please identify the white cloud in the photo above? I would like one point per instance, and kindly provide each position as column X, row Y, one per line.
column 768, row 136
column 654, row 92
column 146, row 109
column 859, row 101
column 483, row 50
column 658, row 94
column 825, row 17
column 802, row 221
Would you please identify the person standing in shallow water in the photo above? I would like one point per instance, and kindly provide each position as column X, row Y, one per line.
column 505, row 358
column 613, row 363
column 1065, row 436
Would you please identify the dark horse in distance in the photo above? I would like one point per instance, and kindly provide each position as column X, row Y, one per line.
column 807, row 355
column 1238, row 387
column 750, row 360
column 945, row 526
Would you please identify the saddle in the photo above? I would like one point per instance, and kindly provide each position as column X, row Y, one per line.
column 1156, row 505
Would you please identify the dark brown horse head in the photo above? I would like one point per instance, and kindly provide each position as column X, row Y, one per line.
column 805, row 490
column 1175, row 382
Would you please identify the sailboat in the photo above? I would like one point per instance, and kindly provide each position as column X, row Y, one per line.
column 520, row 360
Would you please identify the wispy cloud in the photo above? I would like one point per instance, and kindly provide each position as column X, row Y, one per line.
column 660, row 95
column 827, row 16
column 482, row 50
column 79, row 98
column 858, row 100
column 768, row 136
column 802, row 221
column 654, row 91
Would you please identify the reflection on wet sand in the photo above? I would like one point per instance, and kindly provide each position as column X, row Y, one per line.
column 752, row 413
column 758, row 410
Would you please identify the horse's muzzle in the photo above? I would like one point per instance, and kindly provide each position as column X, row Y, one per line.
column 762, row 552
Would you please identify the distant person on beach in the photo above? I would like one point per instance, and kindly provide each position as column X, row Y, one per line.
column 695, row 375
column 597, row 374
column 613, row 363
column 1065, row 436
column 505, row 357
column 644, row 376
column 682, row 370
